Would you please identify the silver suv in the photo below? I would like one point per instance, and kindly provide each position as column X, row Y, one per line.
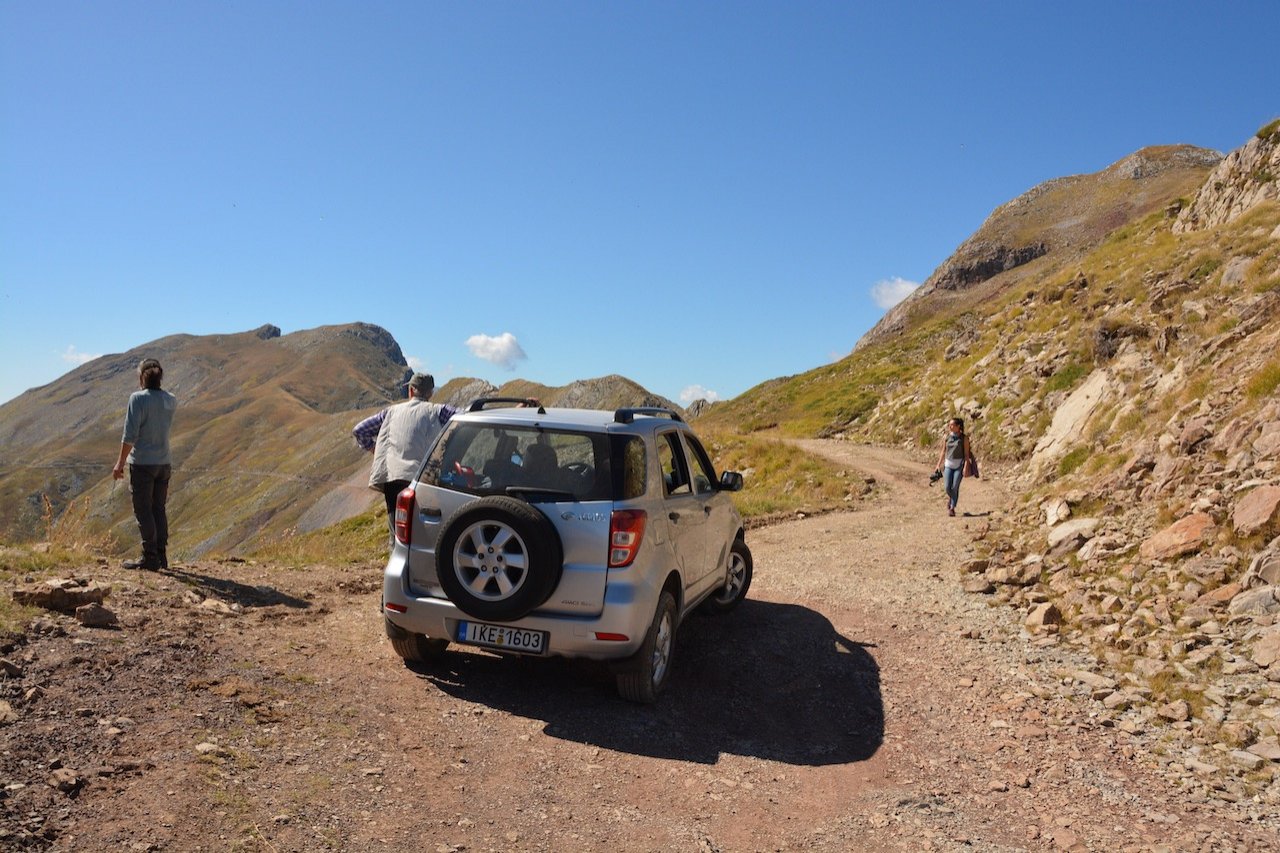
column 573, row 532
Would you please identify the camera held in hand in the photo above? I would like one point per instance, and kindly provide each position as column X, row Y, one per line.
column 935, row 477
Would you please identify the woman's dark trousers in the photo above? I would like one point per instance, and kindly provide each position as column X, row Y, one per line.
column 150, row 487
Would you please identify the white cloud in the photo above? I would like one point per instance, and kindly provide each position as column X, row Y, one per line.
column 504, row 350
column 415, row 364
column 697, row 392
column 890, row 291
column 73, row 356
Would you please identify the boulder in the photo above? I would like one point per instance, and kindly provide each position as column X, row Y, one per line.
column 1056, row 510
column 1263, row 601
column 1178, row 711
column 1233, row 437
column 1022, row 574
column 1267, row 445
column 1194, row 432
column 1268, row 749
column 1265, row 568
column 66, row 780
column 1071, row 418
column 1182, row 537
column 1219, row 597
column 1070, row 535
column 94, row 615
column 1266, row 650
column 1169, row 473
column 62, row 594
column 977, row 585
column 1256, row 511
column 1044, row 617
column 1142, row 461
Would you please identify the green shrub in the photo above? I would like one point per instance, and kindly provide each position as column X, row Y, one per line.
column 1265, row 381
column 1270, row 130
column 1072, row 461
column 1065, row 377
column 1205, row 268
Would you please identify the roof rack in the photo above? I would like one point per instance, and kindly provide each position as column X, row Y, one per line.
column 523, row 402
column 628, row 414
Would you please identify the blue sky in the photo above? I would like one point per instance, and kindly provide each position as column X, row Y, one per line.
column 699, row 195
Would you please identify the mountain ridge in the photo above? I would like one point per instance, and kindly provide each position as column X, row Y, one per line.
column 262, row 439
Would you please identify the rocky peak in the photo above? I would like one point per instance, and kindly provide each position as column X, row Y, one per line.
column 1245, row 178
column 1062, row 217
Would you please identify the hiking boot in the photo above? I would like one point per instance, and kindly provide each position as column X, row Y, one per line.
column 141, row 563
column 951, row 512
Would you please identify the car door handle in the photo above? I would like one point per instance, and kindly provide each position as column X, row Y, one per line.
column 431, row 512
column 674, row 516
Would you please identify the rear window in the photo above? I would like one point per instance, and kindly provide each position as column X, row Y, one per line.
column 485, row 459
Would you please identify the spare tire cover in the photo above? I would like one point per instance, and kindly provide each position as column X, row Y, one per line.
column 498, row 558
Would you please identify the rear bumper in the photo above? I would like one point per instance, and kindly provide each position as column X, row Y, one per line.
column 627, row 612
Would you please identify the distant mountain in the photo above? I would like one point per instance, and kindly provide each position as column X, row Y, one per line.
column 262, row 437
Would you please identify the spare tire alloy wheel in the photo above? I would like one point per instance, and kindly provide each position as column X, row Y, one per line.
column 498, row 558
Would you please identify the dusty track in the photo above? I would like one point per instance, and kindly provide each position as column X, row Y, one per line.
column 858, row 701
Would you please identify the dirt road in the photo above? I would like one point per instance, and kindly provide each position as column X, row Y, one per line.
column 859, row 701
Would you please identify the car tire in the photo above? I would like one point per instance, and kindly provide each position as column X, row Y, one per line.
column 737, row 582
column 415, row 648
column 498, row 558
column 644, row 675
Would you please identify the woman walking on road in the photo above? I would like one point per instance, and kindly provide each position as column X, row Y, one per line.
column 951, row 461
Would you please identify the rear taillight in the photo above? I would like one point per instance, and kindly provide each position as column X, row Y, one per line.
column 404, row 516
column 626, row 529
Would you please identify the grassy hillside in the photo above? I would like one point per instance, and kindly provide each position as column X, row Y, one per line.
column 1007, row 362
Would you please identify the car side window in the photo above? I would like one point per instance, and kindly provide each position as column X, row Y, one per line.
column 704, row 476
column 633, row 469
column 671, row 460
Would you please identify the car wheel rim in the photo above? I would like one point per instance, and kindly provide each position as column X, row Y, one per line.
column 491, row 561
column 662, row 649
column 737, row 574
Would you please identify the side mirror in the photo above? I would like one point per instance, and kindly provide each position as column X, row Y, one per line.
column 730, row 481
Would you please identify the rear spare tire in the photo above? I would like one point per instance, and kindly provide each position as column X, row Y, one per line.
column 498, row 558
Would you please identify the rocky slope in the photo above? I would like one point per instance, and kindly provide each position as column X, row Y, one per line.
column 1130, row 396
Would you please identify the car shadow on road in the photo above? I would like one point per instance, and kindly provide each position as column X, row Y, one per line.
column 772, row 681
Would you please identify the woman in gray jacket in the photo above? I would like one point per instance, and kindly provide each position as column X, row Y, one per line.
column 955, row 452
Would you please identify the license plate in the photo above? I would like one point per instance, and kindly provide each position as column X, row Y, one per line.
column 502, row 637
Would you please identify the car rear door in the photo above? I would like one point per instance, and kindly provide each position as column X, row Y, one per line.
column 686, row 513
column 722, row 519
